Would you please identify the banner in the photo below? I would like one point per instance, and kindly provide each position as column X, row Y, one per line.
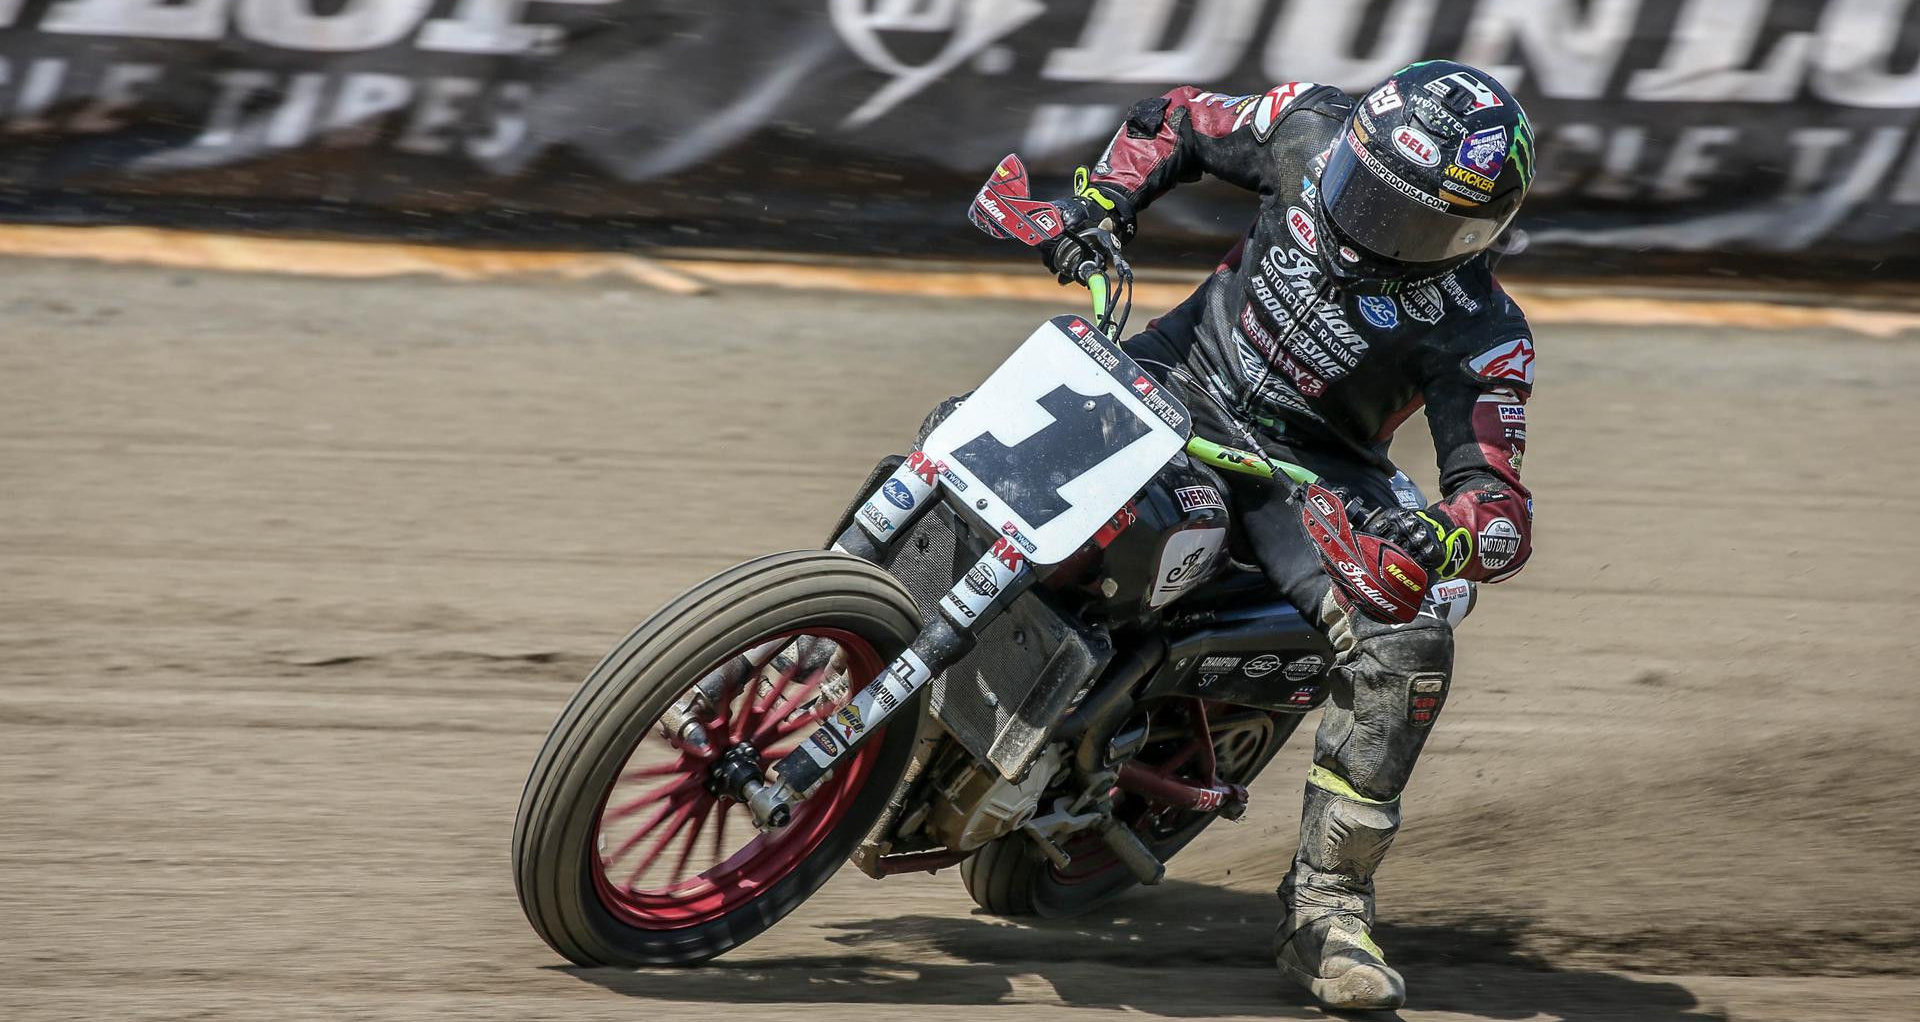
column 1699, row 134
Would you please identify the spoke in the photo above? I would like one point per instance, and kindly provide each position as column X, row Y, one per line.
column 753, row 705
column 723, row 711
column 640, row 833
column 778, row 730
column 667, row 790
column 673, row 829
column 677, row 766
column 693, row 841
column 720, row 831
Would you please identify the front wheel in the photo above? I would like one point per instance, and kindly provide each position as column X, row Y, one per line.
column 623, row 853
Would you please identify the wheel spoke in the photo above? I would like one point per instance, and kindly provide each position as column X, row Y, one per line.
column 720, row 830
column 678, row 766
column 698, row 822
column 640, row 833
column 753, row 705
column 674, row 826
column 665, row 791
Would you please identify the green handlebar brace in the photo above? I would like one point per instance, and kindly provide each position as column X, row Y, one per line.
column 1235, row 460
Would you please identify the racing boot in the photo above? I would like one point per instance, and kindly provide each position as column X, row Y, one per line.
column 1324, row 943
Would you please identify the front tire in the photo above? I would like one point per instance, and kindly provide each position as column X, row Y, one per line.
column 571, row 856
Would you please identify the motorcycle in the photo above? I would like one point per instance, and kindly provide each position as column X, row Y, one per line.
column 1033, row 650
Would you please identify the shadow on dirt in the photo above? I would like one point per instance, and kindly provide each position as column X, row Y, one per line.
column 1188, row 951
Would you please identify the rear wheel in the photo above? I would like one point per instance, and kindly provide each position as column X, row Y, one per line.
column 1010, row 877
column 624, row 852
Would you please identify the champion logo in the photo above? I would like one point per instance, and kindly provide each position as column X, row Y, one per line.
column 1300, row 225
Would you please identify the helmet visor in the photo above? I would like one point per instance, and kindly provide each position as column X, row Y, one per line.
column 1390, row 217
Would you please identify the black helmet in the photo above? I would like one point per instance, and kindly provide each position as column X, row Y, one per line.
column 1427, row 171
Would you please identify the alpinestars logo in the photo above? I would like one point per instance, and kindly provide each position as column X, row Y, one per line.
column 972, row 27
column 1511, row 362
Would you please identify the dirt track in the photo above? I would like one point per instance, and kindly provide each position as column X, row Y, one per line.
column 295, row 574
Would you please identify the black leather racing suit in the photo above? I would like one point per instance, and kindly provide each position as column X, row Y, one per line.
column 1268, row 351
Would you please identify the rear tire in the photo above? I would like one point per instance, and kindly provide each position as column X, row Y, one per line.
column 558, row 844
column 1010, row 877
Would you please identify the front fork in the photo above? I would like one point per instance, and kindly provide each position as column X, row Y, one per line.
column 975, row 598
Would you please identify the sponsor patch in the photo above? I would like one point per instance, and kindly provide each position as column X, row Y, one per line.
column 1300, row 225
column 1384, row 99
column 1484, row 152
column 1193, row 498
column 1507, row 362
column 1499, row 544
column 849, row 722
column 1426, row 693
column 1217, row 664
column 1261, row 666
column 1424, row 304
column 1483, row 97
column 897, row 494
column 1478, row 182
column 1380, row 311
column 1306, row 667
column 1266, row 110
column 1451, row 590
column 1458, row 292
column 1302, row 695
column 981, row 582
column 1394, row 181
column 1184, row 561
column 1516, row 414
column 1416, row 145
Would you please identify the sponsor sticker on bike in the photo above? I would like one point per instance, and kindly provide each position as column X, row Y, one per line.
column 902, row 678
column 1261, row 666
column 969, row 597
column 897, row 494
column 1217, row 664
column 1309, row 666
column 1193, row 498
column 1184, row 561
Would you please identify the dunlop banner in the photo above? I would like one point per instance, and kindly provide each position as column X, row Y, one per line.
column 1699, row 134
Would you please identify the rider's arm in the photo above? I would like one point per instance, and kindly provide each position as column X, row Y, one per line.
column 1189, row 132
column 1476, row 409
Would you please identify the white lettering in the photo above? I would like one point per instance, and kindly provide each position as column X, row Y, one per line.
column 1857, row 39
column 1692, row 159
column 120, row 87
column 292, row 124
column 367, row 95
column 439, row 108
column 150, row 19
column 1573, row 55
column 223, row 118
column 1813, row 150
column 494, row 26
column 36, row 96
column 1319, row 42
column 1711, row 41
column 354, row 25
column 1122, row 40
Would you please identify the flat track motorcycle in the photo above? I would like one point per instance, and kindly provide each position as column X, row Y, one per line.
column 1032, row 650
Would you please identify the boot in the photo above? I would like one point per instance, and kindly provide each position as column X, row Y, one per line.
column 1324, row 942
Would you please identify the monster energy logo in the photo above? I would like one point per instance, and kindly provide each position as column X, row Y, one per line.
column 1521, row 151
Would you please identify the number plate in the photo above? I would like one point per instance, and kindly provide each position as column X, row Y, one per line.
column 1062, row 435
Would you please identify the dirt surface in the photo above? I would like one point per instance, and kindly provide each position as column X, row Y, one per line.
column 295, row 574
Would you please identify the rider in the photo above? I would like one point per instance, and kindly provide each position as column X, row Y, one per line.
column 1362, row 291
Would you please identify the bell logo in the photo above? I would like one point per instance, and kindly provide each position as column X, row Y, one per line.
column 1300, row 225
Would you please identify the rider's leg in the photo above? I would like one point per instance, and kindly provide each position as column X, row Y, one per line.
column 1387, row 686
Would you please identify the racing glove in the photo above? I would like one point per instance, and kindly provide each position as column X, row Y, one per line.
column 1439, row 546
column 1090, row 206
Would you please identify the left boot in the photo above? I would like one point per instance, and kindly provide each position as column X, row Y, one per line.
column 1325, row 942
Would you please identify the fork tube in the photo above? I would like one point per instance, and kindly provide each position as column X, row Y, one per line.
column 1000, row 574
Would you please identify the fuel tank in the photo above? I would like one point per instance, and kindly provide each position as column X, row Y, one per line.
column 1177, row 539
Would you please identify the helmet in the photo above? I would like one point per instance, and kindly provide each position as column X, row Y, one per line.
column 1427, row 171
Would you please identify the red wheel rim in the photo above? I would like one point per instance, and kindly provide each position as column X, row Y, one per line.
column 657, row 820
